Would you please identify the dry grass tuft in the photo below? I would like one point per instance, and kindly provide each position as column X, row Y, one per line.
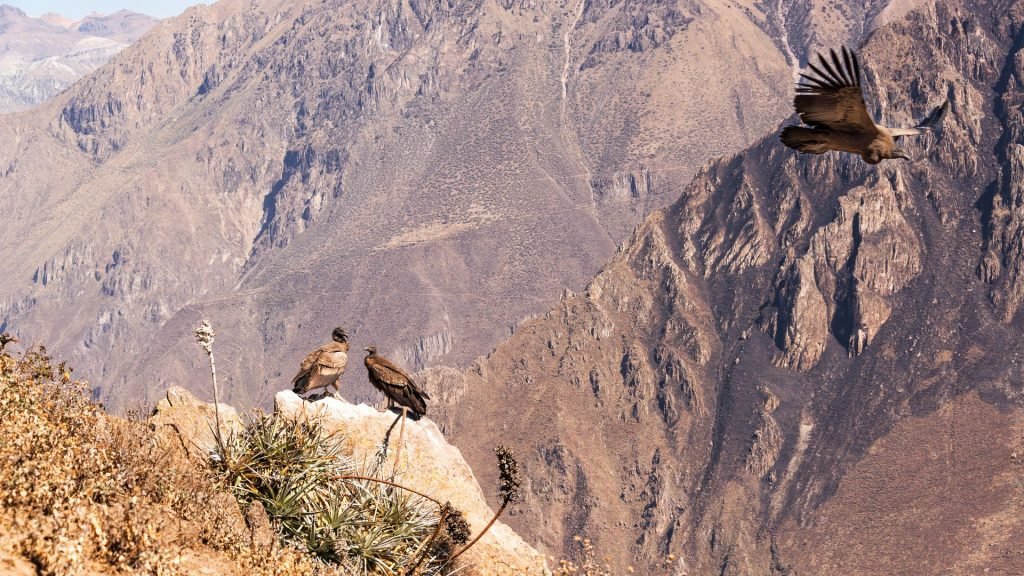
column 85, row 493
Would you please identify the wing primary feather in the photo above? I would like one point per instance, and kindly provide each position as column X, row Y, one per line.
column 832, row 76
column 835, row 79
column 825, row 80
column 839, row 67
column 849, row 67
column 841, row 64
column 935, row 117
column 816, row 82
column 853, row 65
column 856, row 64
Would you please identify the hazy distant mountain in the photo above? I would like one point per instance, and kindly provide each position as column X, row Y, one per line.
column 39, row 57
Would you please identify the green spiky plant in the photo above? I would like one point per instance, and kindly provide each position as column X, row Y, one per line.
column 314, row 494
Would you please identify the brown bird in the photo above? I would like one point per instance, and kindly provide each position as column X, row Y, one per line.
column 394, row 383
column 323, row 366
column 832, row 104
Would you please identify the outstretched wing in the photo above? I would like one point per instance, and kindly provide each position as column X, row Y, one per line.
column 832, row 98
column 932, row 121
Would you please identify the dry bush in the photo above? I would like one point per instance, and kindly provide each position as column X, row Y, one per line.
column 82, row 491
column 585, row 565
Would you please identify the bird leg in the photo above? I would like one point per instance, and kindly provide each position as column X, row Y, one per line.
column 337, row 391
column 401, row 432
column 387, row 435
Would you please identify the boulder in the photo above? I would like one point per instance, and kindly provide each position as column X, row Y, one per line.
column 191, row 421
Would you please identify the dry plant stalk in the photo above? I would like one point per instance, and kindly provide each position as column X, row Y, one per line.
column 390, row 483
column 421, row 553
column 509, row 488
column 401, row 434
column 205, row 335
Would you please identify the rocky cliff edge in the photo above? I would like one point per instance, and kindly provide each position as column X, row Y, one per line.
column 427, row 463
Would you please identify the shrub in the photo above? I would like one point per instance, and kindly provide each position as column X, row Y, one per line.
column 82, row 490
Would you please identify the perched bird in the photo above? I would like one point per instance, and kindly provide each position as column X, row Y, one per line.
column 832, row 104
column 323, row 366
column 394, row 383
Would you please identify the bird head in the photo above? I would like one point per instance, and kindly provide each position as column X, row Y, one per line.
column 371, row 349
column 901, row 153
column 339, row 334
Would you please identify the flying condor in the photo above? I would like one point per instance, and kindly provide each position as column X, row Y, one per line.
column 831, row 103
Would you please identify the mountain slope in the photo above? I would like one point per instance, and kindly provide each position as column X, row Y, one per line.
column 424, row 175
column 806, row 365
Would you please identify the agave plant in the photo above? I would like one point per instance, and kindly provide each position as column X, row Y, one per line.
column 318, row 498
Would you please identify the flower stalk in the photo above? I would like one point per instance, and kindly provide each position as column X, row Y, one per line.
column 205, row 335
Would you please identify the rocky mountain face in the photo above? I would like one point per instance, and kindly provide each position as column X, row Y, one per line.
column 801, row 364
column 39, row 57
column 806, row 364
column 425, row 175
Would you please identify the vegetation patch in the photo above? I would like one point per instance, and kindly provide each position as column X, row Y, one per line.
column 85, row 492
column 314, row 493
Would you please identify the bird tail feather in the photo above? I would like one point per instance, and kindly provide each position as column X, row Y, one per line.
column 301, row 384
column 934, row 119
column 415, row 399
column 806, row 140
column 931, row 122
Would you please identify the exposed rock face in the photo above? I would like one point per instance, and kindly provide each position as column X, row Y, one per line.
column 1004, row 221
column 772, row 373
column 841, row 286
column 42, row 56
column 192, row 420
column 430, row 464
column 425, row 175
